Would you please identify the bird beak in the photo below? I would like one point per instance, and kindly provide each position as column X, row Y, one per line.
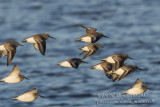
column 20, row 45
column 27, row 78
column 130, row 58
column 41, row 96
column 84, row 62
column 150, row 88
column 140, row 69
column 52, row 37
column 106, row 36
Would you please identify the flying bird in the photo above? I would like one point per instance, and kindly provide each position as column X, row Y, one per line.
column 14, row 76
column 123, row 71
column 137, row 88
column 9, row 49
column 28, row 96
column 90, row 49
column 117, row 60
column 39, row 41
column 73, row 62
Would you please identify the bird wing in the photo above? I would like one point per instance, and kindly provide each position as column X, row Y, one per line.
column 15, row 71
column 89, row 53
column 11, row 51
column 82, row 53
column 74, row 64
column 36, row 46
column 138, row 83
column 41, row 45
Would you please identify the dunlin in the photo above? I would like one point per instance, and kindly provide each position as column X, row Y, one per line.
column 137, row 88
column 39, row 41
column 90, row 49
column 14, row 76
column 28, row 96
column 123, row 71
column 117, row 60
column 73, row 62
column 9, row 49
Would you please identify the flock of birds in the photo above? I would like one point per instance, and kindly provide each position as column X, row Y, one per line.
column 113, row 66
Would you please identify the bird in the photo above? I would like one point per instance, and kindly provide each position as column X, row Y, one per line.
column 123, row 71
column 14, row 76
column 137, row 88
column 39, row 41
column 9, row 49
column 117, row 60
column 73, row 62
column 28, row 96
column 102, row 66
column 91, row 37
column 90, row 49
column 89, row 29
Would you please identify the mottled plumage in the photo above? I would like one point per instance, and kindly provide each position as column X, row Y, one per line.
column 9, row 49
column 39, row 41
column 90, row 49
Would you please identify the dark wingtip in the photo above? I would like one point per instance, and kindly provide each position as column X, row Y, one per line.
column 24, row 41
column 124, row 93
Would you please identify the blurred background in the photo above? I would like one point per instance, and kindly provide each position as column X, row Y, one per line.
column 133, row 27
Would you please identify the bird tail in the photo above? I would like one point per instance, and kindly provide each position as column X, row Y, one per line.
column 79, row 39
column 93, row 67
column 1, row 80
column 14, row 98
column 24, row 40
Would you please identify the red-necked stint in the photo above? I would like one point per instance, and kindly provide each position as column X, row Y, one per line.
column 9, row 49
column 39, row 41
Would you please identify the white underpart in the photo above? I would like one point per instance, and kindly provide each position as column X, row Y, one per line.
column 119, row 71
column 85, row 48
column 2, row 47
column 27, row 97
column 65, row 64
column 30, row 40
column 109, row 59
column 12, row 79
column 135, row 91
column 98, row 67
column 86, row 39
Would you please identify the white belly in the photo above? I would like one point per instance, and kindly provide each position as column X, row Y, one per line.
column 30, row 40
column 12, row 79
column 65, row 64
column 26, row 98
column 135, row 91
column 85, row 48
column 2, row 47
column 119, row 71
column 98, row 67
column 86, row 39
column 110, row 60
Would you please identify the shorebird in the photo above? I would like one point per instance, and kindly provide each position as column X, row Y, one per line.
column 9, row 49
column 73, row 62
column 103, row 66
column 14, row 76
column 39, row 41
column 91, row 37
column 117, row 60
column 137, row 88
column 89, row 29
column 28, row 96
column 90, row 48
column 123, row 71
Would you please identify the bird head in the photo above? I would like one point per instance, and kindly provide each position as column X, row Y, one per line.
column 47, row 36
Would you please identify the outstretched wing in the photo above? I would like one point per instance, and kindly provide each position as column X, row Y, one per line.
column 41, row 45
column 15, row 71
column 138, row 83
column 11, row 51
